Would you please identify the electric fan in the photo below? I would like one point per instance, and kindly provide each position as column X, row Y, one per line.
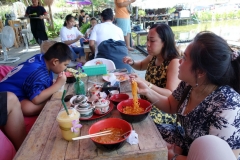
column 7, row 37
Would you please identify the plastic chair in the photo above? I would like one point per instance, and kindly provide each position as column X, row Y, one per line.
column 109, row 63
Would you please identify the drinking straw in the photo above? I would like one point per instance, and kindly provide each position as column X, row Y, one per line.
column 65, row 107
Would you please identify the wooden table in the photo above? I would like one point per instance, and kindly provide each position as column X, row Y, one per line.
column 45, row 141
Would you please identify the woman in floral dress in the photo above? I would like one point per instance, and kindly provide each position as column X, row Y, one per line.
column 207, row 101
column 161, row 67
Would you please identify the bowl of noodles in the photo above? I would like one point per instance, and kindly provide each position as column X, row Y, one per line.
column 112, row 141
column 134, row 110
column 132, row 113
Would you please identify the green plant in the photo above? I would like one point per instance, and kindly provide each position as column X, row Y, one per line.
column 84, row 27
column 238, row 14
column 225, row 16
column 171, row 10
column 58, row 24
column 218, row 16
column 141, row 13
column 231, row 15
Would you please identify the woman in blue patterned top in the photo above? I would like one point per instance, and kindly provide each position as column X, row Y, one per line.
column 207, row 101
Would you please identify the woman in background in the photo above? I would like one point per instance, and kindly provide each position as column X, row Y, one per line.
column 70, row 35
column 161, row 67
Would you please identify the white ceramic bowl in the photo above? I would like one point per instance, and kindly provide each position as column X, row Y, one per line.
column 101, row 108
column 85, row 113
column 84, row 100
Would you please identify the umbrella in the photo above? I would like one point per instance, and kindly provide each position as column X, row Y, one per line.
column 79, row 2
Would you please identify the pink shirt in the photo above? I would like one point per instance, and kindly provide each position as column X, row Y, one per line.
column 4, row 71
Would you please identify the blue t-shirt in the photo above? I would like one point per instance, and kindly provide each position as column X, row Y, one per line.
column 28, row 79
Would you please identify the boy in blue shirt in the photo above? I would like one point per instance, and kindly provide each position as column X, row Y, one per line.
column 32, row 81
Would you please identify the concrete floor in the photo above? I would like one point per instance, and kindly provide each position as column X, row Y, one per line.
column 23, row 54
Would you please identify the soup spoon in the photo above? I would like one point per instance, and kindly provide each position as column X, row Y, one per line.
column 151, row 105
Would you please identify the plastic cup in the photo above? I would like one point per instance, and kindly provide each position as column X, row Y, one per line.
column 65, row 123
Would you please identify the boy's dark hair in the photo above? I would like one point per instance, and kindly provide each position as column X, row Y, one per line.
column 107, row 14
column 60, row 51
column 67, row 18
column 82, row 11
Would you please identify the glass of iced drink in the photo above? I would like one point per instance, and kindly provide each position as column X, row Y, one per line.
column 69, row 124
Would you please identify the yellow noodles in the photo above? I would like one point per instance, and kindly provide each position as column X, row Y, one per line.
column 136, row 109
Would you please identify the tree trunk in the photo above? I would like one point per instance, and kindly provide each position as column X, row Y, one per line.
column 51, row 18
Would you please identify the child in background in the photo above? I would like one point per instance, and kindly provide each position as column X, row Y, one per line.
column 32, row 81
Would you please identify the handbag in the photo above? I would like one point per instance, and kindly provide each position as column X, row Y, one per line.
column 129, row 8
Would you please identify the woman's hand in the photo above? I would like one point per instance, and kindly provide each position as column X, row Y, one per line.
column 128, row 60
column 142, row 86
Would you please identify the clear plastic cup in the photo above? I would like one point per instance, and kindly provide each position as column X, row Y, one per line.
column 65, row 123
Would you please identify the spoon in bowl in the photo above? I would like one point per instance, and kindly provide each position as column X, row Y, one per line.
column 151, row 105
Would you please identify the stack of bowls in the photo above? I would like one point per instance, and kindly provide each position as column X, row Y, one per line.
column 80, row 104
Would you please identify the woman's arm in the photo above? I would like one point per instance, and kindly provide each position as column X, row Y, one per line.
column 125, row 4
column 166, row 104
column 172, row 79
column 138, row 65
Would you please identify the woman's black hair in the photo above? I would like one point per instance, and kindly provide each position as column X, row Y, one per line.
column 67, row 18
column 211, row 54
column 60, row 51
column 165, row 33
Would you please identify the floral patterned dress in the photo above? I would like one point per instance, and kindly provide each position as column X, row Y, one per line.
column 218, row 114
column 157, row 75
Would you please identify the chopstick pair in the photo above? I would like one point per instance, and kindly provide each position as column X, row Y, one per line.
column 93, row 135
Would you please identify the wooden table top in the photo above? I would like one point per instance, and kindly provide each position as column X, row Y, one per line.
column 45, row 141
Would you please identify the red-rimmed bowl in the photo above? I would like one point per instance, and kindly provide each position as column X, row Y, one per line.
column 111, row 123
column 132, row 118
column 117, row 98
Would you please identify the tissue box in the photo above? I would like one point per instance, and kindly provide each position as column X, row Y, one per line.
column 95, row 70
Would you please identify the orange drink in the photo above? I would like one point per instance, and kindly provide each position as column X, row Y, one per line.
column 68, row 123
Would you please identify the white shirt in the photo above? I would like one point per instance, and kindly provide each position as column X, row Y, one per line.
column 105, row 31
column 67, row 34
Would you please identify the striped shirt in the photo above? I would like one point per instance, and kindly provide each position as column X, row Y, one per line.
column 28, row 79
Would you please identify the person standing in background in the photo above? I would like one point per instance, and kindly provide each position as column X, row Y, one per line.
column 37, row 14
column 82, row 18
column 122, row 17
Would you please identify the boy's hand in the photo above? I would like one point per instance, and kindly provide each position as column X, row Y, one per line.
column 61, row 79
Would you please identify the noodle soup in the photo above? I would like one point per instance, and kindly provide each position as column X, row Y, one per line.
column 111, row 138
column 115, row 140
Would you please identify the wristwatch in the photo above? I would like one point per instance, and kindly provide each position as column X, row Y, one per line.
column 175, row 157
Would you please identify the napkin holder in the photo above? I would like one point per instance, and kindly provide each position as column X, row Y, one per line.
column 95, row 70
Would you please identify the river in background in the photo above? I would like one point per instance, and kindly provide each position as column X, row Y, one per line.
column 229, row 30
